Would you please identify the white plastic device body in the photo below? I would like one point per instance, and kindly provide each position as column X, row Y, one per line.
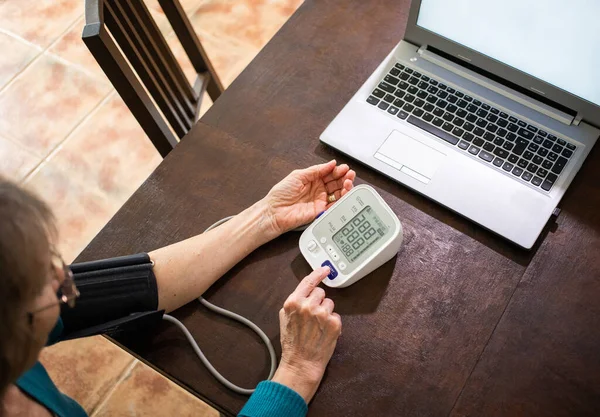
column 354, row 237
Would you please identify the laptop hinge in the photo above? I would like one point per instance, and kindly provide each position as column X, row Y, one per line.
column 497, row 87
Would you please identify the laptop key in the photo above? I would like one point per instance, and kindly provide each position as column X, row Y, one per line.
column 502, row 122
column 498, row 162
column 502, row 132
column 471, row 118
column 422, row 94
column 522, row 163
column 433, row 130
column 562, row 142
column 559, row 165
column 419, row 103
column 527, row 176
column 452, row 99
column 567, row 153
column 408, row 70
column 502, row 153
column 546, row 164
column 468, row 98
column 402, row 114
column 491, row 118
column 418, row 112
column 431, row 99
column 488, row 136
column 468, row 126
column 395, row 72
column 442, row 94
column 512, row 158
column 389, row 98
column 512, row 127
column 408, row 107
column 404, row 76
column 491, row 127
column 519, row 149
column 403, row 85
column 508, row 146
column 474, row 150
column 488, row 146
column 552, row 138
column 486, row 156
column 437, row 122
column 557, row 148
column 398, row 103
column 448, row 116
column 447, row 127
column 409, row 98
column 532, row 128
column 468, row 137
column 457, row 131
column 481, row 113
column 528, row 155
column 532, row 167
column 481, row 123
column 413, row 80
column 478, row 142
column 461, row 113
column 432, row 89
column 542, row 172
column 571, row 146
column 399, row 93
column 451, row 108
column 479, row 131
column 383, row 105
column 459, row 94
column 472, row 108
column 442, row 104
column 547, row 144
column 549, row 182
column 525, row 133
column 458, row 121
column 412, row 89
column 386, row 87
column 512, row 119
column 400, row 66
column 428, row 107
column 393, row 110
column 507, row 166
column 428, row 117
column 390, row 79
column 538, row 160
column 379, row 93
column 517, row 171
column 438, row 112
column 538, row 139
column 461, row 103
column 543, row 133
column 522, row 123
column 423, row 85
column 433, row 82
column 511, row 136
column 503, row 115
column 463, row 145
column 373, row 100
column 536, row 181
column 498, row 141
column 425, row 78
column 552, row 156
column 533, row 147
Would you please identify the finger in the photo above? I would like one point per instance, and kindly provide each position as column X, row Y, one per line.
column 308, row 284
column 328, row 305
column 338, row 195
column 337, row 173
column 336, row 321
column 316, row 297
column 318, row 171
column 339, row 183
column 347, row 187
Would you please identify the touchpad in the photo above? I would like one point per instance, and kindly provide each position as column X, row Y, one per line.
column 410, row 156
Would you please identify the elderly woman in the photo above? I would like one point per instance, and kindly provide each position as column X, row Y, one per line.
column 35, row 285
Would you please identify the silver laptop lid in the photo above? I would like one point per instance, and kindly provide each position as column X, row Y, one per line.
column 548, row 47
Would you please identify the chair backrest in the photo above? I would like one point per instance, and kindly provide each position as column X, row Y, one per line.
column 123, row 38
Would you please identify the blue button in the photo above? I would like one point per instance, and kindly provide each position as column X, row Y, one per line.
column 332, row 272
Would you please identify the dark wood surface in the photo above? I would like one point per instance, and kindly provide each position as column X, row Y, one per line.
column 460, row 323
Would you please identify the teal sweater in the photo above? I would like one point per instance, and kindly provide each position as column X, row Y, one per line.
column 269, row 400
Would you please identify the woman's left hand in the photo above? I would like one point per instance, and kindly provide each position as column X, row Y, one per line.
column 304, row 194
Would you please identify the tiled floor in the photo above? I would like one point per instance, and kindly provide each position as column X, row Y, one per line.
column 67, row 135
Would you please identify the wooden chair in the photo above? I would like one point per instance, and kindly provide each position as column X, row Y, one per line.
column 131, row 41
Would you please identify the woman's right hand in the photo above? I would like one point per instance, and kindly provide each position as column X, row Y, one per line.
column 309, row 333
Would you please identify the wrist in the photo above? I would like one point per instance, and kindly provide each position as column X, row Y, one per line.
column 267, row 225
column 300, row 379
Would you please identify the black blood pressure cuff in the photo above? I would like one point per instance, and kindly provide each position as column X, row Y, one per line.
column 117, row 296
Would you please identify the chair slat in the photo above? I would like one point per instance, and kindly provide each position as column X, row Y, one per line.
column 128, row 40
column 120, row 74
column 190, row 42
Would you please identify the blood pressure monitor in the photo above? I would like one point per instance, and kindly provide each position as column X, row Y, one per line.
column 355, row 236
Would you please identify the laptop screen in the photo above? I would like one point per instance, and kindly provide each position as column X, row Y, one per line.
column 553, row 40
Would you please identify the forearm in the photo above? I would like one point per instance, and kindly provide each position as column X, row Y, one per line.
column 185, row 270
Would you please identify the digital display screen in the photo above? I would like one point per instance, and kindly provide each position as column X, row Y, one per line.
column 360, row 233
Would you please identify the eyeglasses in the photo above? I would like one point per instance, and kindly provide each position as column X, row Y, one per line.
column 67, row 292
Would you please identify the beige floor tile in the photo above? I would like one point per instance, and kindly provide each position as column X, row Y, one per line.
column 39, row 21
column 80, row 208
column 251, row 22
column 70, row 47
column 46, row 101
column 86, row 369
column 15, row 162
column 16, row 54
column 147, row 393
column 109, row 152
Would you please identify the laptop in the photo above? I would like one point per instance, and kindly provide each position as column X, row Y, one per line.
column 488, row 108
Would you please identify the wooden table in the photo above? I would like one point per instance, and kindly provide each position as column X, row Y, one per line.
column 460, row 323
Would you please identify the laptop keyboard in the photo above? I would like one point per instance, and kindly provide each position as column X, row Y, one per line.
column 530, row 154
